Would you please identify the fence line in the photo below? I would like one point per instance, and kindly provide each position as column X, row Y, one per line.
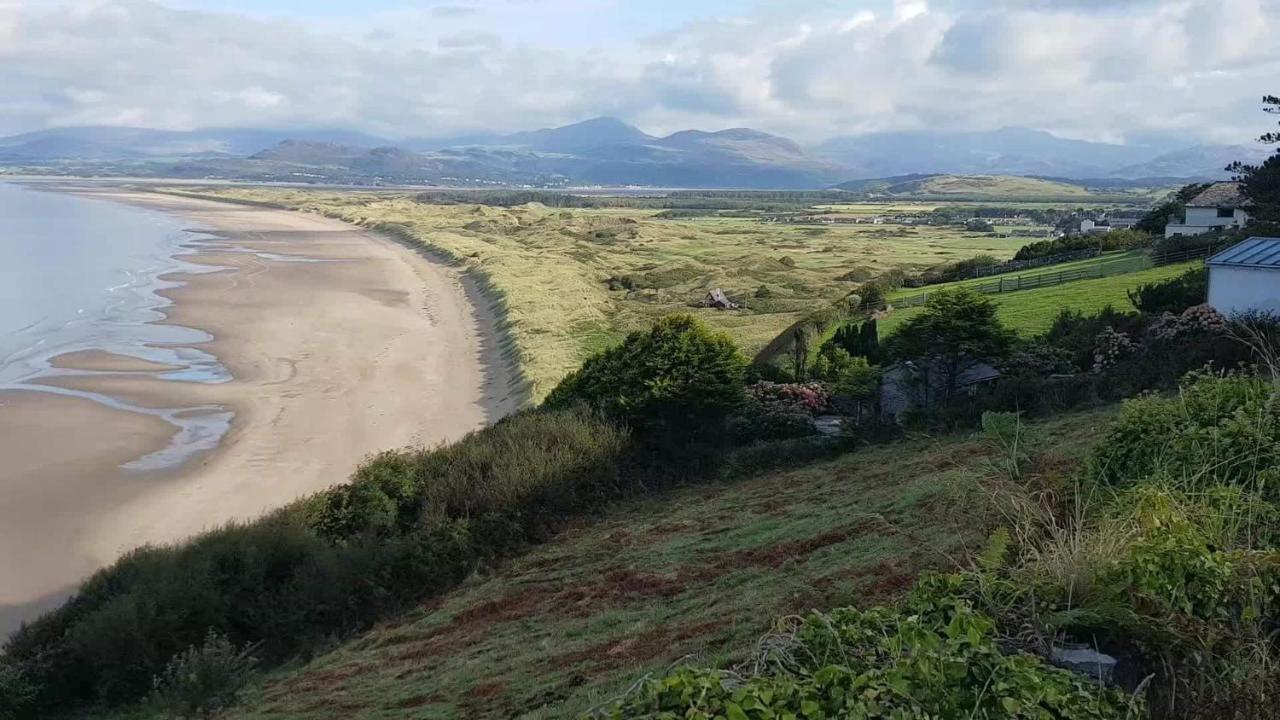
column 1050, row 279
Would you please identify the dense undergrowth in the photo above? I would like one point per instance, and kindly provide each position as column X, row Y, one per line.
column 1162, row 552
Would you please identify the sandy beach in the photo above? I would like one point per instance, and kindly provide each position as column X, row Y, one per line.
column 340, row 343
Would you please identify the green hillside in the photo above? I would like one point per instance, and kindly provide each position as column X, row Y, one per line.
column 697, row 572
column 1031, row 312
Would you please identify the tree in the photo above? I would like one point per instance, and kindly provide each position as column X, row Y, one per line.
column 869, row 340
column 957, row 330
column 1261, row 183
column 679, row 378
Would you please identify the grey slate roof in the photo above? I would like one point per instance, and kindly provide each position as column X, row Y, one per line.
column 1256, row 252
column 1220, row 195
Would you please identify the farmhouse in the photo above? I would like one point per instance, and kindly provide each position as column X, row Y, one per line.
column 1246, row 277
column 1221, row 206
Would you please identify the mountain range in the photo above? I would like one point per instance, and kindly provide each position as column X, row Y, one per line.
column 604, row 151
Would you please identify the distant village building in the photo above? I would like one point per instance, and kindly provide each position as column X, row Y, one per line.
column 908, row 386
column 1122, row 222
column 717, row 299
column 1246, row 277
column 1221, row 206
column 1089, row 227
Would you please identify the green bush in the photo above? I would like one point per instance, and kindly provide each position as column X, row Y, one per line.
column 933, row 657
column 535, row 465
column 202, row 681
column 1173, row 295
column 1218, row 430
column 679, row 379
column 408, row 526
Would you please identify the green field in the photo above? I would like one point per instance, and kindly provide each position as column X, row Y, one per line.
column 1031, row 312
column 696, row 574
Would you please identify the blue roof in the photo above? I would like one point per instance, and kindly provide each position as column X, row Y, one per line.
column 1259, row 252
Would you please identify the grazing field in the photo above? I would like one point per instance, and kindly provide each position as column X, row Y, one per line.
column 576, row 280
column 695, row 575
column 1031, row 312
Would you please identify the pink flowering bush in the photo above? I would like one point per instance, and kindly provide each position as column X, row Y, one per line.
column 780, row 410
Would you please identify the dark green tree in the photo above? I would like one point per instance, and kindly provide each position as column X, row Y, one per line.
column 957, row 330
column 1261, row 182
column 679, row 378
column 869, row 341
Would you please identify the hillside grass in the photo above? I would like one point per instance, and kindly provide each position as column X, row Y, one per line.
column 1031, row 312
column 550, row 267
column 695, row 572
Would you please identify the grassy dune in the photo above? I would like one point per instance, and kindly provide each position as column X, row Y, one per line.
column 695, row 572
column 552, row 266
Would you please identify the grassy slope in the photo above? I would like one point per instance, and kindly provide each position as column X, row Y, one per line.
column 552, row 265
column 1031, row 312
column 699, row 571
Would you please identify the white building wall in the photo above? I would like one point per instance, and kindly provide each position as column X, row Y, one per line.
column 1234, row 290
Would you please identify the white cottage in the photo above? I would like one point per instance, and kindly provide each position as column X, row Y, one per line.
column 1222, row 205
column 1246, row 277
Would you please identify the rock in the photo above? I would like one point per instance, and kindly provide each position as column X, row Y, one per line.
column 1083, row 660
column 828, row 425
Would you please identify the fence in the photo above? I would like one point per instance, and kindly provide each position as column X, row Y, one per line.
column 1121, row 266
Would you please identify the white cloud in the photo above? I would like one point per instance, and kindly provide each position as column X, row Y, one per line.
column 1085, row 68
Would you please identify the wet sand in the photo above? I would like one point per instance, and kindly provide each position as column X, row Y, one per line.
column 373, row 347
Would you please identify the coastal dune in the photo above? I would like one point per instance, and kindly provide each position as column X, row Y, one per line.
column 339, row 342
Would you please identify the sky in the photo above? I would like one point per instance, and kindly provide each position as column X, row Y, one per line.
column 1109, row 70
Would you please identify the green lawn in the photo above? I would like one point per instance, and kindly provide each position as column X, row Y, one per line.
column 697, row 572
column 1031, row 312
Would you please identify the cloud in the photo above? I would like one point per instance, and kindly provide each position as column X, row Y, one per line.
column 812, row 70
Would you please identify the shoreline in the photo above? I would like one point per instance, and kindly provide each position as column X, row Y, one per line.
column 375, row 346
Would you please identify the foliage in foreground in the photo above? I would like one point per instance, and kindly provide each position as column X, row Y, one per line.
column 932, row 657
column 1164, row 554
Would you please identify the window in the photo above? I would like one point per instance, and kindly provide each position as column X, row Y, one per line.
column 1226, row 212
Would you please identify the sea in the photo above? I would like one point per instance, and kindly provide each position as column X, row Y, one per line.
column 83, row 273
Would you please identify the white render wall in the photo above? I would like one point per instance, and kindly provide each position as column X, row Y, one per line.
column 1201, row 220
column 1234, row 290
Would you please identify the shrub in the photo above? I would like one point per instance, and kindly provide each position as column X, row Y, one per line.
column 678, row 379
column 776, row 411
column 1173, row 295
column 933, row 657
column 1218, row 430
column 409, row 525
column 202, row 681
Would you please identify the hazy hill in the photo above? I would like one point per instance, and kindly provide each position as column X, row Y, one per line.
column 1207, row 161
column 606, row 151
column 1020, row 151
column 121, row 143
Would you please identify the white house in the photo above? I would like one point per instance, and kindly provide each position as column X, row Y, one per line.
column 1246, row 277
column 1089, row 227
column 1221, row 206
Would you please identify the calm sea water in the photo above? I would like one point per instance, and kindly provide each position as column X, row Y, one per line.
column 82, row 274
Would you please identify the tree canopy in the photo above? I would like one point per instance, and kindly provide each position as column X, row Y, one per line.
column 957, row 330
